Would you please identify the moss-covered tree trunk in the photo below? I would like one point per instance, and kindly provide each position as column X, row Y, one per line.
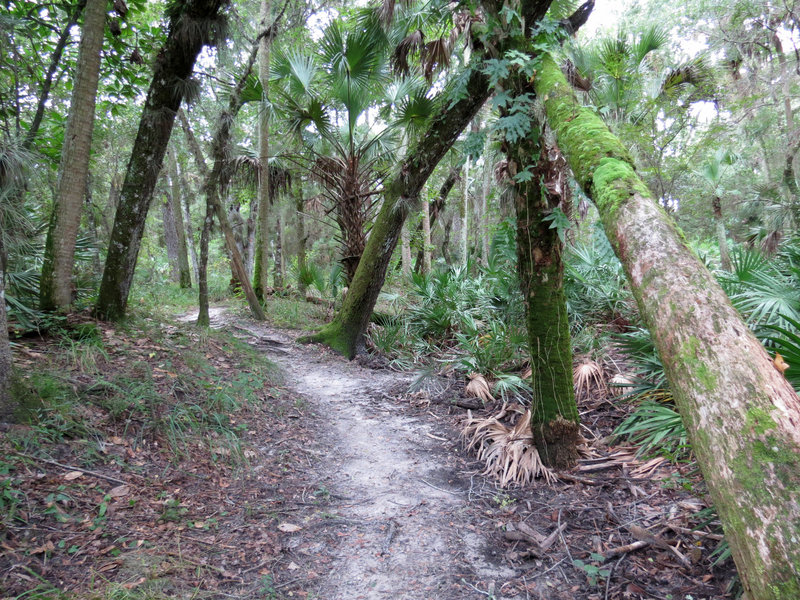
column 55, row 290
column 554, row 414
column 742, row 416
column 170, row 237
column 192, row 25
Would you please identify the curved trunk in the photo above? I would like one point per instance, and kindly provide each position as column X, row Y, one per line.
column 722, row 237
column 55, row 291
column 345, row 333
column 742, row 416
column 192, row 25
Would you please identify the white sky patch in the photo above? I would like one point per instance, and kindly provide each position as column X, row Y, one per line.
column 317, row 22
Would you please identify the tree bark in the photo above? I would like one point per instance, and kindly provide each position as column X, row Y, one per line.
column 277, row 274
column 6, row 401
column 426, row 237
column 55, row 290
column 203, row 318
column 170, row 237
column 742, row 416
column 192, row 26
column 260, row 271
column 405, row 249
column 487, row 170
column 47, row 84
column 184, row 272
column 722, row 237
column 465, row 216
column 299, row 205
column 554, row 414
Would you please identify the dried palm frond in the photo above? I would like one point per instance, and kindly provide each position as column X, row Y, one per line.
column 435, row 55
column 586, row 375
column 508, row 452
column 409, row 46
column 478, row 387
column 527, row 373
column 620, row 380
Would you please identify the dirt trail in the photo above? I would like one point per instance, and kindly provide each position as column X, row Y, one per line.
column 406, row 533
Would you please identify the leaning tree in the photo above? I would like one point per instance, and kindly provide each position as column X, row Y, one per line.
column 742, row 416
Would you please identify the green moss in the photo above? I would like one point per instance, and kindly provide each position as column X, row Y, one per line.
column 688, row 361
column 613, row 183
column 334, row 336
column 582, row 135
column 759, row 421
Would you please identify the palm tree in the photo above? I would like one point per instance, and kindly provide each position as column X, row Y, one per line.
column 56, row 280
column 351, row 120
column 712, row 173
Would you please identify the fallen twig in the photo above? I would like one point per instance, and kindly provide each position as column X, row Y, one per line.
column 625, row 549
column 711, row 536
column 389, row 537
column 73, row 468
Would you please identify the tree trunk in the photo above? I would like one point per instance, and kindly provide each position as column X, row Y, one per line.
column 722, row 238
column 465, row 217
column 55, row 290
column 192, row 26
column 211, row 184
column 170, row 238
column 6, row 401
column 345, row 333
column 203, row 318
column 426, row 236
column 742, row 416
column 277, row 275
column 52, row 69
column 487, row 170
column 554, row 415
column 405, row 250
column 436, row 209
column 301, row 236
column 260, row 271
column 187, row 221
column 184, row 272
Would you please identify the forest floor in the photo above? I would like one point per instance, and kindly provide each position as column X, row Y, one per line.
column 333, row 482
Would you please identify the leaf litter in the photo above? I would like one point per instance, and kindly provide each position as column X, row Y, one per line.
column 346, row 486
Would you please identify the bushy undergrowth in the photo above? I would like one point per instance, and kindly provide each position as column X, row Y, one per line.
column 469, row 316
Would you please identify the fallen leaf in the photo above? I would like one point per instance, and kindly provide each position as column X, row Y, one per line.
column 293, row 566
column 119, row 491
column 73, row 475
column 289, row 527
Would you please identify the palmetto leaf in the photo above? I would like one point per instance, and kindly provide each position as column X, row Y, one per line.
column 478, row 387
column 508, row 451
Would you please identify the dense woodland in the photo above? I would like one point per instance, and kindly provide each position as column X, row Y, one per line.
column 546, row 201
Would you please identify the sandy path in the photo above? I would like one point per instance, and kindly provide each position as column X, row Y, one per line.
column 409, row 535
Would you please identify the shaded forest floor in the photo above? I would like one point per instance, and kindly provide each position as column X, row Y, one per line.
column 164, row 462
